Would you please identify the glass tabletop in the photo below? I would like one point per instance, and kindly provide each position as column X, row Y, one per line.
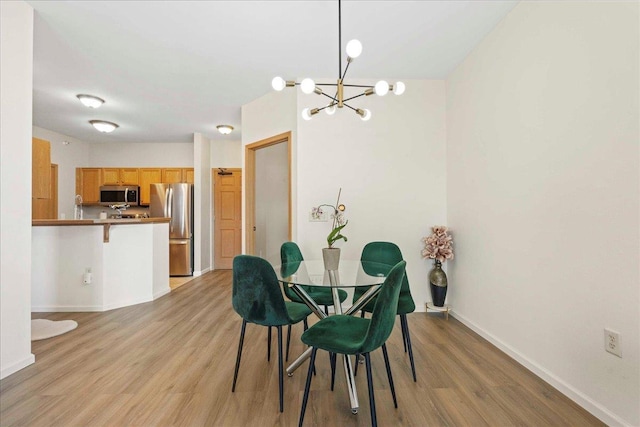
column 349, row 274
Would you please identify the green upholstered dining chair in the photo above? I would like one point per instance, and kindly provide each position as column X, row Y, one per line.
column 389, row 254
column 349, row 335
column 257, row 298
column 290, row 252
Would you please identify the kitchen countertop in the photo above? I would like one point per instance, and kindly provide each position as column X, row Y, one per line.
column 109, row 221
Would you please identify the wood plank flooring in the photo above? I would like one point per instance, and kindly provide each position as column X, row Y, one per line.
column 170, row 363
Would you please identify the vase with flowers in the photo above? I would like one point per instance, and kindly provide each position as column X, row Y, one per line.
column 438, row 247
column 331, row 254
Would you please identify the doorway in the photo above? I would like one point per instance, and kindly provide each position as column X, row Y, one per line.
column 227, row 216
column 268, row 195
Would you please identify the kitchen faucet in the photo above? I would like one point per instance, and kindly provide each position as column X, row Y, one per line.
column 77, row 207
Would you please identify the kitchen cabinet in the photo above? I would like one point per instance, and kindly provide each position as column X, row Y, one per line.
column 120, row 176
column 88, row 182
column 47, row 208
column 172, row 175
column 188, row 175
column 41, row 169
column 148, row 176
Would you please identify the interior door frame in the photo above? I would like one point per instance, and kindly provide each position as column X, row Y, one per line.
column 250, row 182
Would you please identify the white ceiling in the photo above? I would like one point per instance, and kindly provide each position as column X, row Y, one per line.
column 168, row 69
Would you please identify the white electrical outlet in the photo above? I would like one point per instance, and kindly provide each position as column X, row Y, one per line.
column 612, row 342
column 87, row 277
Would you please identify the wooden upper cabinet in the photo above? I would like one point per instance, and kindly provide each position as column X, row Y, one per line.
column 171, row 175
column 188, row 175
column 120, row 176
column 47, row 208
column 88, row 182
column 148, row 176
column 111, row 176
column 41, row 169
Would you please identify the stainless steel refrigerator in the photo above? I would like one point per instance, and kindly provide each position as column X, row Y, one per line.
column 175, row 201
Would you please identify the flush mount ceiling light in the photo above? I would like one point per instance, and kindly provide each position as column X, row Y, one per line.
column 224, row 129
column 353, row 50
column 103, row 126
column 90, row 100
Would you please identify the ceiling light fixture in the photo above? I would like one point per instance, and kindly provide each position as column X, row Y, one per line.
column 90, row 100
column 224, row 129
column 104, row 126
column 353, row 50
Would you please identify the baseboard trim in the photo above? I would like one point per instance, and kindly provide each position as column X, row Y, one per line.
column 29, row 360
column 65, row 308
column 161, row 293
column 578, row 397
column 201, row 272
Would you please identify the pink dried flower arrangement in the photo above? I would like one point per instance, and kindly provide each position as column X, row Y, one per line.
column 439, row 245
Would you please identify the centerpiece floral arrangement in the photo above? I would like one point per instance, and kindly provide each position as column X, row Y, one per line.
column 439, row 245
column 339, row 221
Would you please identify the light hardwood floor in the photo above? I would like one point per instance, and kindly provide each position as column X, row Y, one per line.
column 170, row 363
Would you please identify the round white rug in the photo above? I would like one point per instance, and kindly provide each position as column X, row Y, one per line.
column 43, row 328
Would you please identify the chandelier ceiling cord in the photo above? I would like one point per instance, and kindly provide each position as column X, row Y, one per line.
column 307, row 85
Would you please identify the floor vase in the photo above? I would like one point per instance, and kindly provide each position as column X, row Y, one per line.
column 438, row 284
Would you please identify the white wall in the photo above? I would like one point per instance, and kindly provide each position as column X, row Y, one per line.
column 16, row 71
column 68, row 158
column 272, row 201
column 391, row 169
column 141, row 154
column 226, row 154
column 270, row 115
column 543, row 189
column 202, row 204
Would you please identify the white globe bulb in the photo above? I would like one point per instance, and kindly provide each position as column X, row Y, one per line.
column 354, row 48
column 307, row 85
column 366, row 116
column 381, row 88
column 305, row 114
column 330, row 110
column 398, row 88
column 278, row 83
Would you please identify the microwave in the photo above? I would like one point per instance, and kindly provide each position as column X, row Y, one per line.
column 116, row 195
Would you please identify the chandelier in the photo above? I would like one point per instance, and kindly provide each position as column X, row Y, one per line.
column 307, row 85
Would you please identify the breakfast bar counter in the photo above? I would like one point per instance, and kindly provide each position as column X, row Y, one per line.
column 98, row 264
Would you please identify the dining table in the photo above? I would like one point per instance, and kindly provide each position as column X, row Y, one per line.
column 349, row 274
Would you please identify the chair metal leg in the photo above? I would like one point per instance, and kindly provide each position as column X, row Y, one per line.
column 403, row 318
column 307, row 385
column 404, row 333
column 355, row 370
column 332, row 360
column 288, row 341
column 269, row 345
column 388, row 366
column 280, row 369
column 239, row 356
column 305, row 323
column 372, row 399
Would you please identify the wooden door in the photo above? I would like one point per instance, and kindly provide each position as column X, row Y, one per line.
column 227, row 223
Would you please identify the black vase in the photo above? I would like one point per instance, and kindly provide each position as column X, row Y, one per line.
column 438, row 284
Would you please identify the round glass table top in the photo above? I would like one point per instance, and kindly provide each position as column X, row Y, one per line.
column 349, row 273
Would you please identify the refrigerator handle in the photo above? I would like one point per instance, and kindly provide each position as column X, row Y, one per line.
column 170, row 207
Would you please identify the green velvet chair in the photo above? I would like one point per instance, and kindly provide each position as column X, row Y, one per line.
column 257, row 298
column 388, row 253
column 342, row 334
column 290, row 252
